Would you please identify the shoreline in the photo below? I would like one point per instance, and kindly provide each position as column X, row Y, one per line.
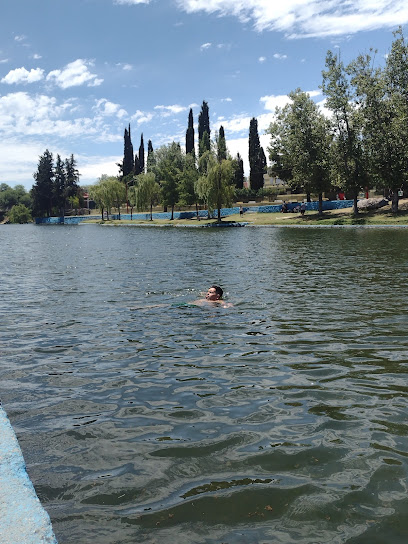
column 381, row 217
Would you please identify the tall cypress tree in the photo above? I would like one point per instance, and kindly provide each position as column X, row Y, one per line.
column 204, row 127
column 221, row 145
column 42, row 191
column 190, row 133
column 128, row 163
column 141, row 156
column 151, row 159
column 137, row 165
column 257, row 159
column 239, row 172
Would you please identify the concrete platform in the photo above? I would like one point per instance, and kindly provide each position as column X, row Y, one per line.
column 22, row 518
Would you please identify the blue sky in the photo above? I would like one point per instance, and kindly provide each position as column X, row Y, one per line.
column 74, row 73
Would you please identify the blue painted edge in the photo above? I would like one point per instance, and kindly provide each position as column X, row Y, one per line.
column 23, row 519
column 203, row 214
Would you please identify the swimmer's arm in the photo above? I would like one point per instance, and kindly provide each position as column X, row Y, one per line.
column 148, row 306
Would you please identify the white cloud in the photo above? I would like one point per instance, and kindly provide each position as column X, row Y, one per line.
column 274, row 101
column 22, row 115
column 21, row 75
column 205, row 46
column 131, row 2
column 228, row 99
column 107, row 108
column 36, row 56
column 74, row 74
column 142, row 117
column 170, row 110
column 300, row 18
column 279, row 56
column 4, row 61
column 91, row 168
column 262, row 59
column 20, row 38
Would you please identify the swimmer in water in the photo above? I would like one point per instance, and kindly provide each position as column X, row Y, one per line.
column 214, row 297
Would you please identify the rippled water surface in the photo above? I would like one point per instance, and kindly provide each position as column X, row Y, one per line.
column 280, row 420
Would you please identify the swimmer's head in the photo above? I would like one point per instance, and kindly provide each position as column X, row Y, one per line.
column 214, row 293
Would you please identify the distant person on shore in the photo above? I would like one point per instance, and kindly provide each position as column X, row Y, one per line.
column 213, row 297
column 241, row 211
column 284, row 207
column 303, row 208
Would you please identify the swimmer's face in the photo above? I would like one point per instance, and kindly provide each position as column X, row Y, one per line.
column 212, row 294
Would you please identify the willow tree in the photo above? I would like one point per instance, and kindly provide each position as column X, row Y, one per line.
column 145, row 193
column 216, row 187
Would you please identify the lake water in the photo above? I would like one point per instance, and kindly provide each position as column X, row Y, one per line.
column 280, row 420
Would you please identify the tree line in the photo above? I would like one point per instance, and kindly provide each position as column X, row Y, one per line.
column 56, row 186
column 363, row 143
column 172, row 175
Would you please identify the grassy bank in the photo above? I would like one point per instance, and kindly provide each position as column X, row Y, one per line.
column 383, row 216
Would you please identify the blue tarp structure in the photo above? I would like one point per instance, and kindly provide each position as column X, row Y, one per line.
column 22, row 518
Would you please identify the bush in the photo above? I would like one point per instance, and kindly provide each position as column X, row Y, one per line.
column 245, row 194
column 268, row 192
column 20, row 214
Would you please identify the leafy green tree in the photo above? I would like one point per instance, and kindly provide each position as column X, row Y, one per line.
column 146, row 192
column 168, row 169
column 187, row 180
column 257, row 159
column 10, row 196
column 382, row 100
column 221, row 145
column 190, row 134
column 349, row 156
column 204, row 128
column 303, row 134
column 128, row 162
column 42, row 190
column 20, row 214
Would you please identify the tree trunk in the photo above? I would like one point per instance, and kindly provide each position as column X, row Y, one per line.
column 308, row 197
column 320, row 203
column 394, row 202
column 102, row 214
column 197, row 210
column 131, row 213
column 172, row 213
column 219, row 214
column 355, row 207
column 151, row 212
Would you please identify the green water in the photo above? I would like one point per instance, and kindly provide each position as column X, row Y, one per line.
column 143, row 419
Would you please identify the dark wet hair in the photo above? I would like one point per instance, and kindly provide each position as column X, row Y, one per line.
column 218, row 290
